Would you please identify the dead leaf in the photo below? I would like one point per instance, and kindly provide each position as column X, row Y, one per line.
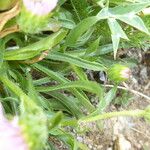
column 36, row 59
column 9, row 30
column 4, row 17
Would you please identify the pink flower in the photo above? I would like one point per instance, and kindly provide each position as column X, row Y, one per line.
column 40, row 7
column 10, row 134
column 126, row 73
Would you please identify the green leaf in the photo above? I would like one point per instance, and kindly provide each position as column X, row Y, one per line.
column 1, row 52
column 85, row 37
column 115, row 41
column 80, row 72
column 104, row 49
column 41, row 81
column 64, row 136
column 93, row 47
column 31, row 89
column 89, row 86
column 13, row 87
column 67, row 102
column 105, row 101
column 127, row 9
column 134, row 21
column 76, row 61
column 80, row 8
column 60, row 79
column 116, row 34
column 55, row 120
column 116, row 29
column 78, row 31
column 104, row 13
column 36, row 48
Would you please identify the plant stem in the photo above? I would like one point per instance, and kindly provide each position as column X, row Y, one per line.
column 132, row 91
column 131, row 113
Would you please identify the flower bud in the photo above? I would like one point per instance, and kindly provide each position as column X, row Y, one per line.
column 6, row 4
column 34, row 14
column 119, row 73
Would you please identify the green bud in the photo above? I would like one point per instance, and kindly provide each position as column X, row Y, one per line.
column 118, row 73
column 6, row 4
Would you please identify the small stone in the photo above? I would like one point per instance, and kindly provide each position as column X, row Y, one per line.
column 80, row 139
column 90, row 146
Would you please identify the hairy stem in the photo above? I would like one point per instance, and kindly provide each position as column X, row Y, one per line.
column 130, row 113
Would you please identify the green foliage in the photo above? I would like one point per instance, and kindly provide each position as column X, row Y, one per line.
column 45, row 77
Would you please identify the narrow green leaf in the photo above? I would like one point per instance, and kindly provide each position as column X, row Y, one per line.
column 80, row 72
column 104, row 49
column 35, row 48
column 115, row 41
column 134, row 21
column 69, row 103
column 41, row 81
column 93, row 47
column 82, row 27
column 1, row 52
column 76, row 61
column 105, row 101
column 55, row 120
column 131, row 8
column 116, row 34
column 85, row 37
column 104, row 13
column 60, row 79
column 116, row 29
column 13, row 87
column 88, row 86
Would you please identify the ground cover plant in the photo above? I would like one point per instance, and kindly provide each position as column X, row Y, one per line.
column 56, row 56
